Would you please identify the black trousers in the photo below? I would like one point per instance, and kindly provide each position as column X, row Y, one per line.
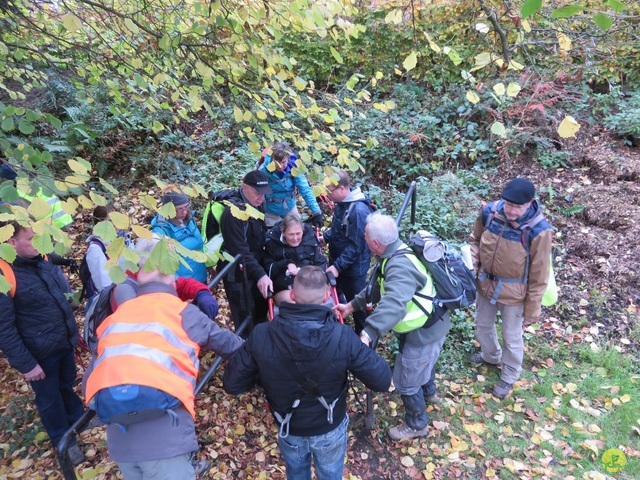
column 244, row 303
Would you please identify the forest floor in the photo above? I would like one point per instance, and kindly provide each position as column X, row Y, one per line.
column 578, row 398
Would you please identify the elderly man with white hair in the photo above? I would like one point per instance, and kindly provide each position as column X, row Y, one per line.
column 403, row 293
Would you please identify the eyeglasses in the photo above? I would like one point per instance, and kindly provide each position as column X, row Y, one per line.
column 183, row 208
column 331, row 190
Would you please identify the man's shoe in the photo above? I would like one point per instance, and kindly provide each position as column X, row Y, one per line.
column 477, row 358
column 201, row 466
column 75, row 455
column 93, row 423
column 502, row 389
column 403, row 431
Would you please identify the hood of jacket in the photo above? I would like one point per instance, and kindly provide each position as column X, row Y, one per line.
column 303, row 330
column 354, row 195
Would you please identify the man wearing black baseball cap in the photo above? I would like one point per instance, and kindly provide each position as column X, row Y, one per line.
column 246, row 236
column 511, row 251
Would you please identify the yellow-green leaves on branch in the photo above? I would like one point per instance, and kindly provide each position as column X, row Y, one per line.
column 498, row 128
column 410, row 62
column 530, row 7
column 472, row 97
column 568, row 127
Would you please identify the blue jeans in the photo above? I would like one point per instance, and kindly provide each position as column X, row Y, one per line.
column 328, row 453
column 58, row 405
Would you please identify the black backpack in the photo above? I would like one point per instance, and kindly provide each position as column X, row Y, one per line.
column 88, row 287
column 345, row 220
column 101, row 307
column 454, row 282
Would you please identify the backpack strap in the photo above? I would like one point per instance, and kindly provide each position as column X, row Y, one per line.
column 9, row 275
column 307, row 384
column 525, row 239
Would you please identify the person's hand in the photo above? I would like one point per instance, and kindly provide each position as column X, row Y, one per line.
column 35, row 374
column 206, row 303
column 292, row 269
column 73, row 265
column 344, row 309
column 264, row 285
column 317, row 220
column 333, row 270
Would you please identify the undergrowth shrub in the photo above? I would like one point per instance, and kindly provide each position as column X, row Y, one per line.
column 625, row 118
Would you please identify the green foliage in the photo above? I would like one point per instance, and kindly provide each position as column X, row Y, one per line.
column 551, row 159
column 625, row 118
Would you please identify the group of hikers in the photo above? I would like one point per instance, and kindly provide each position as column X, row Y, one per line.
column 142, row 375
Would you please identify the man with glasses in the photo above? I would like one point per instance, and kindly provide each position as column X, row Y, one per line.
column 511, row 251
column 245, row 234
column 349, row 254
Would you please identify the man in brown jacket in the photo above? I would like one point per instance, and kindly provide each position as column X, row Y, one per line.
column 511, row 250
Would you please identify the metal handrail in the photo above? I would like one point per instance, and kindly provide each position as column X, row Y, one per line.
column 68, row 472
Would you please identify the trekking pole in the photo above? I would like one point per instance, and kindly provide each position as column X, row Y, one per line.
column 270, row 304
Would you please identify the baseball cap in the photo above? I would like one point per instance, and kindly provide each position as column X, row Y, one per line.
column 257, row 180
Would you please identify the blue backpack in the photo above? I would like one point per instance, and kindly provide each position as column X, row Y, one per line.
column 127, row 404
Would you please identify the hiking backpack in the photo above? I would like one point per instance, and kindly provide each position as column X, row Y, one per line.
column 550, row 296
column 454, row 282
column 88, row 287
column 9, row 275
column 210, row 230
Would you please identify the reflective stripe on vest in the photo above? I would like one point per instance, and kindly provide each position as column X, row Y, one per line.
column 157, row 353
column 415, row 317
column 58, row 216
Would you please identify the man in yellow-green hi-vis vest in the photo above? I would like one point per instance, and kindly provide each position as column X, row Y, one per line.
column 403, row 306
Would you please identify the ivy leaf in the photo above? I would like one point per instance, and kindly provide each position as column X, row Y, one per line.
column 530, row 7
column 603, row 21
column 566, row 11
column 410, row 62
column 7, row 124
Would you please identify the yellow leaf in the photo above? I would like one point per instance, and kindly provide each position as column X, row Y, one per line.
column 564, row 42
column 513, row 89
column 472, row 97
column 526, row 26
column 77, row 166
column 71, row 22
column 499, row 88
column 39, row 208
column 568, row 127
column 498, row 128
column 120, row 221
column 478, row 428
column 593, row 428
column 240, row 429
column 407, row 461
column 97, row 199
column 625, row 398
column 410, row 62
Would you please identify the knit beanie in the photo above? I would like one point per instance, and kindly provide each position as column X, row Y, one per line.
column 519, row 191
column 174, row 194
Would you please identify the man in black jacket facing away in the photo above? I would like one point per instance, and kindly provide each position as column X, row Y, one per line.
column 302, row 359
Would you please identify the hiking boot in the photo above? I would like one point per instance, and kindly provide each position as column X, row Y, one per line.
column 477, row 358
column 200, row 466
column 93, row 423
column 502, row 389
column 433, row 398
column 75, row 455
column 403, row 431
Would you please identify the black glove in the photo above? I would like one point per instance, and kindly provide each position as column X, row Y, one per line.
column 206, row 303
column 72, row 264
column 317, row 220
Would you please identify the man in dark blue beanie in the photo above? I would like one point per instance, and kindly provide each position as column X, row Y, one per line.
column 511, row 251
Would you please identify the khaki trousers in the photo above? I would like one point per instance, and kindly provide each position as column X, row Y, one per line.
column 511, row 353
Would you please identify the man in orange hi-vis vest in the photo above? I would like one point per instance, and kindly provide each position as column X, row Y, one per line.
column 152, row 342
